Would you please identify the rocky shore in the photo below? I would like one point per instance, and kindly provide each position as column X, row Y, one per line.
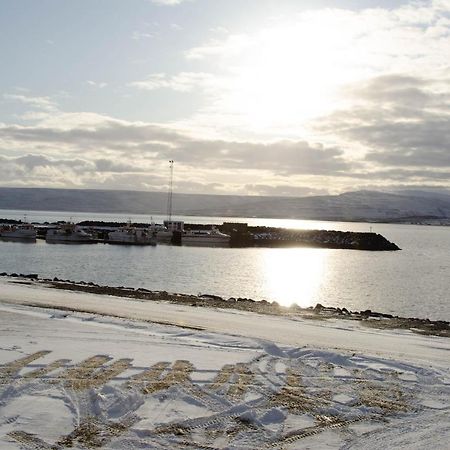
column 319, row 312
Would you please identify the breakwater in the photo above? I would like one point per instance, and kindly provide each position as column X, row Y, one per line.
column 243, row 235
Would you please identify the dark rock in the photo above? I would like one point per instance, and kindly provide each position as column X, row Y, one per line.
column 32, row 276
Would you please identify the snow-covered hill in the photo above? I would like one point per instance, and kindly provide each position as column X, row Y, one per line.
column 350, row 206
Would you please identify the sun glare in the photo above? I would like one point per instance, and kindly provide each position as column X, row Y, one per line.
column 294, row 275
column 295, row 72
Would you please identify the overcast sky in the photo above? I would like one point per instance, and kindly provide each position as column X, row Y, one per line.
column 271, row 97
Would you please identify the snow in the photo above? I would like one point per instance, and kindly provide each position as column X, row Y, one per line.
column 117, row 373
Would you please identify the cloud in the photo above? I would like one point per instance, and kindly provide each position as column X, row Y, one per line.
column 139, row 35
column 283, row 190
column 41, row 170
column 230, row 45
column 168, row 2
column 181, row 82
column 42, row 103
column 99, row 147
column 38, row 170
column 117, row 166
column 282, row 157
column 401, row 121
column 100, row 151
column 100, row 85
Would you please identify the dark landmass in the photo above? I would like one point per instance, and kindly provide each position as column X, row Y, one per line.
column 360, row 206
column 319, row 312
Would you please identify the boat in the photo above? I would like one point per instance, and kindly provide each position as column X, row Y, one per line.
column 164, row 233
column 130, row 235
column 206, row 238
column 68, row 233
column 24, row 231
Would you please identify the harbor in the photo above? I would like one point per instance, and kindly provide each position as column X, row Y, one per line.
column 301, row 274
column 171, row 232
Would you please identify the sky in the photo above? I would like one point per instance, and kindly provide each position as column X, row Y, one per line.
column 252, row 97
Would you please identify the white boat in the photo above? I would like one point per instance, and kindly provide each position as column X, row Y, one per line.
column 164, row 233
column 68, row 233
column 132, row 236
column 24, row 231
column 205, row 238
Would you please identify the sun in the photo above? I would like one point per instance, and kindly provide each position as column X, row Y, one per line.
column 292, row 73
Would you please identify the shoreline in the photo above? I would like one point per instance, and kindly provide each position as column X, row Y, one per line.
column 368, row 318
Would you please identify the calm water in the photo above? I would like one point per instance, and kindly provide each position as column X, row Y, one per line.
column 412, row 282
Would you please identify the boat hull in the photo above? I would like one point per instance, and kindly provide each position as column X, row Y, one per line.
column 203, row 241
column 69, row 240
column 131, row 236
column 21, row 234
column 27, row 240
column 117, row 242
column 18, row 236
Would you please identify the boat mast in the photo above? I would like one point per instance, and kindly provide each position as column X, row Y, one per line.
column 169, row 196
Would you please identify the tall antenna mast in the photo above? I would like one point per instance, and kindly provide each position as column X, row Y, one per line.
column 169, row 196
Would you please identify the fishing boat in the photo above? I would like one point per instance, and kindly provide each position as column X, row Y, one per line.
column 164, row 232
column 130, row 235
column 24, row 231
column 69, row 233
column 205, row 238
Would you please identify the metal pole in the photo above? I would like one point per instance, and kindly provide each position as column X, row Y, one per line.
column 169, row 197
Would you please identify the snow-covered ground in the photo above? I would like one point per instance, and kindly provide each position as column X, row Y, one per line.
column 115, row 373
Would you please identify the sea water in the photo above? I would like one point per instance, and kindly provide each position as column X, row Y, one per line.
column 413, row 282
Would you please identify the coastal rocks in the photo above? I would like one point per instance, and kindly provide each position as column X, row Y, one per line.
column 31, row 276
column 366, row 317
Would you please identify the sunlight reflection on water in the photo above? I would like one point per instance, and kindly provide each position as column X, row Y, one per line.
column 293, row 275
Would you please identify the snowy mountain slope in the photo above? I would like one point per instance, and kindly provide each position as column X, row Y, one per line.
column 359, row 205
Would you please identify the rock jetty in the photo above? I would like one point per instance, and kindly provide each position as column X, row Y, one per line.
column 243, row 235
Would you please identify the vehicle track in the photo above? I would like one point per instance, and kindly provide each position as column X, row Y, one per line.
column 12, row 369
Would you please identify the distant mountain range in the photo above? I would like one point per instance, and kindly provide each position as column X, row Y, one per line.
column 350, row 206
